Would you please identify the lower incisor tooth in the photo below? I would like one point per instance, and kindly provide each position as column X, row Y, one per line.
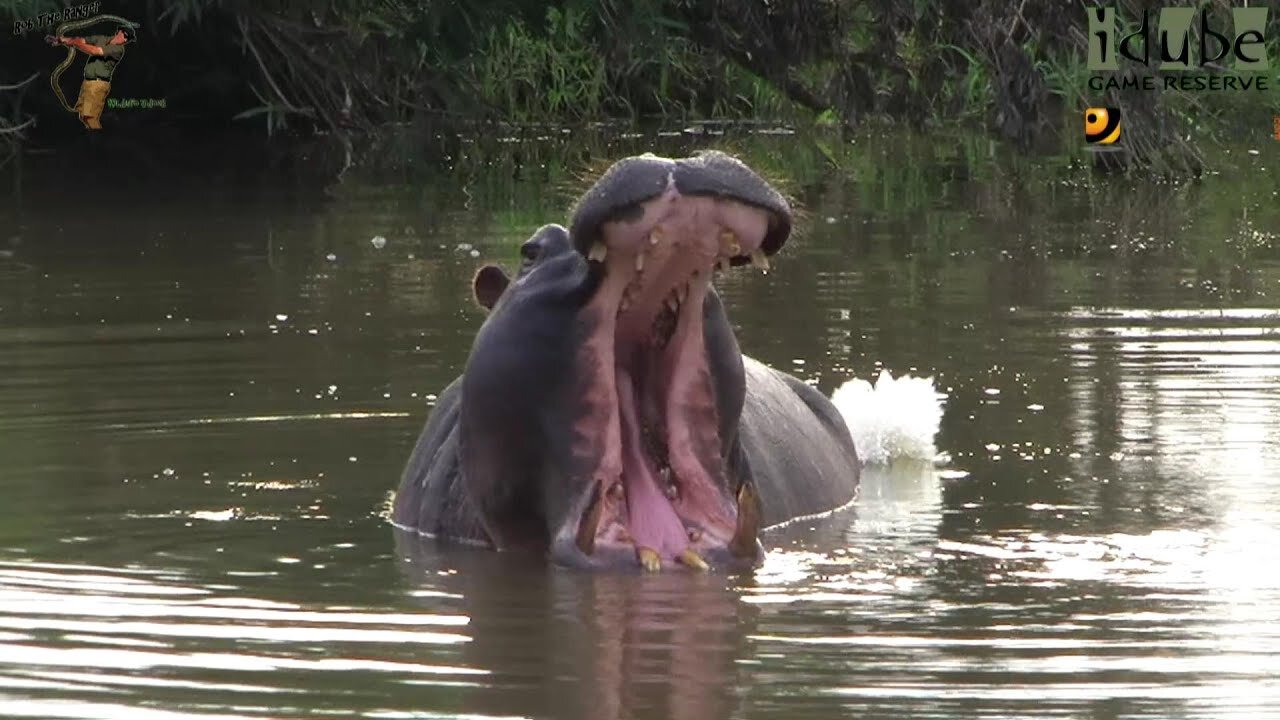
column 639, row 262
column 693, row 560
column 649, row 559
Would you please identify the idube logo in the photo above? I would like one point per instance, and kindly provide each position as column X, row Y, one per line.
column 1182, row 45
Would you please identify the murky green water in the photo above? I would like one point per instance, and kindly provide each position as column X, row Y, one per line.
column 208, row 389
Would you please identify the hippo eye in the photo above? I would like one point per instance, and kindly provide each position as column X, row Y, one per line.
column 531, row 250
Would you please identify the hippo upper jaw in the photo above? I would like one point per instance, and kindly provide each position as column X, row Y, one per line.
column 626, row 191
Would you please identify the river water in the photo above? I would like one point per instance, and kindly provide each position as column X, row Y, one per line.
column 209, row 382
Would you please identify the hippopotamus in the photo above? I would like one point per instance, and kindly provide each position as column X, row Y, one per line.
column 606, row 417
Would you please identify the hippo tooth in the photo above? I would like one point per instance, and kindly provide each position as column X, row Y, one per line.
column 745, row 535
column 649, row 559
column 672, row 492
column 639, row 262
column 695, row 534
column 655, row 236
column 598, row 252
column 589, row 525
column 724, row 264
column 759, row 260
column 615, row 491
column 693, row 560
column 729, row 242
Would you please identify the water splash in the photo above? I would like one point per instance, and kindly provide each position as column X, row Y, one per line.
column 895, row 419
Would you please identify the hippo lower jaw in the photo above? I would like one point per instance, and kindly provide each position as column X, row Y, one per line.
column 659, row 492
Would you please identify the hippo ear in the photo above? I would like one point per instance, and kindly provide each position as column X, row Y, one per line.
column 488, row 285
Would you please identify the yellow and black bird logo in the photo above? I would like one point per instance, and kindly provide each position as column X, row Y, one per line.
column 1101, row 125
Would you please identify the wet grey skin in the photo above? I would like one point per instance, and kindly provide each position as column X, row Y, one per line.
column 606, row 417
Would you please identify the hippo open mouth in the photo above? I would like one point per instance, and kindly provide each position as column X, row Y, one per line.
column 657, row 230
column 606, row 416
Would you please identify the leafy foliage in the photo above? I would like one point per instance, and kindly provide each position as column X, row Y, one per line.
column 354, row 65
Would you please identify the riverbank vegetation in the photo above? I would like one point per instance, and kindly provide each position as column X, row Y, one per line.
column 351, row 68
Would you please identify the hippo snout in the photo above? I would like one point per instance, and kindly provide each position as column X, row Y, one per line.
column 630, row 184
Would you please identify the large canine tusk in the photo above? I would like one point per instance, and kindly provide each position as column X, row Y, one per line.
column 746, row 535
column 590, row 523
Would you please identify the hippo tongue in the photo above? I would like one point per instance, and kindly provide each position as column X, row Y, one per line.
column 651, row 519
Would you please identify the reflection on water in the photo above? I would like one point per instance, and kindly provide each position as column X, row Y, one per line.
column 577, row 645
column 119, row 639
column 201, row 419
